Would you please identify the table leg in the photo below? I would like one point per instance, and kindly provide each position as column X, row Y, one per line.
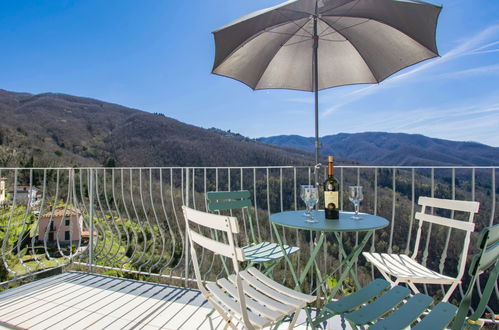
column 311, row 261
column 350, row 261
column 346, row 257
column 286, row 257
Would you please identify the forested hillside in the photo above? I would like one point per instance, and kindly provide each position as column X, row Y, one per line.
column 62, row 130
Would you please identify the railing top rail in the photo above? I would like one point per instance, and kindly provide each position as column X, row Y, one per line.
column 249, row 167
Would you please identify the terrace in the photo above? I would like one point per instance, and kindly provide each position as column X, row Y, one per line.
column 130, row 265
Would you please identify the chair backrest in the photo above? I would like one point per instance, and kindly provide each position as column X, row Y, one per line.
column 486, row 258
column 222, row 223
column 219, row 201
column 428, row 204
column 228, row 200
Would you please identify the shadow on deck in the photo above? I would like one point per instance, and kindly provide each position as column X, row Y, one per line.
column 80, row 300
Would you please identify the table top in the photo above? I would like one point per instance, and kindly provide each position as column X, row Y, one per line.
column 296, row 219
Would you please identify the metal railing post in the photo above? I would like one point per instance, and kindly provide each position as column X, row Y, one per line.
column 186, row 244
column 91, row 220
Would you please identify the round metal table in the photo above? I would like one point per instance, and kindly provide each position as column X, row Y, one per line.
column 296, row 220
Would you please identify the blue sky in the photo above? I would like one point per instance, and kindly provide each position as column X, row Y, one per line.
column 157, row 56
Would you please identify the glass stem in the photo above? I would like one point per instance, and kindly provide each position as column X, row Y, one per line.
column 357, row 206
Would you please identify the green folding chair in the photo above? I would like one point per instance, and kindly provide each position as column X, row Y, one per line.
column 380, row 307
column 266, row 253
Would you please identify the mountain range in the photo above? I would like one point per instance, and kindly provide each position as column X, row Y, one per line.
column 55, row 130
column 380, row 148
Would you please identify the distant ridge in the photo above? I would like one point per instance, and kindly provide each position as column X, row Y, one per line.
column 380, row 148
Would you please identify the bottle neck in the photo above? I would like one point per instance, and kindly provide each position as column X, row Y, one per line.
column 330, row 169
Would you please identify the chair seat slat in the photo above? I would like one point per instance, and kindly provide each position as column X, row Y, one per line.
column 439, row 317
column 405, row 315
column 266, row 251
column 405, row 268
column 281, row 288
column 359, row 297
column 379, row 307
column 254, row 305
column 266, row 300
column 234, row 306
column 269, row 291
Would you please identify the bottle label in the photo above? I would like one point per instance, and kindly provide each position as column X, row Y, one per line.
column 331, row 197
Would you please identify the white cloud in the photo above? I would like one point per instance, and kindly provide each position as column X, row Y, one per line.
column 481, row 70
column 471, row 121
column 483, row 49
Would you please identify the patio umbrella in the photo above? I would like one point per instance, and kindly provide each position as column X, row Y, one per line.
column 312, row 45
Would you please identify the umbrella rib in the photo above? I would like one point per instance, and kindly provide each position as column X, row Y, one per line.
column 331, row 40
column 256, row 35
column 295, row 43
column 367, row 19
column 358, row 52
column 263, row 72
column 334, row 8
column 284, row 33
column 296, row 11
column 339, row 17
column 346, row 28
column 294, row 22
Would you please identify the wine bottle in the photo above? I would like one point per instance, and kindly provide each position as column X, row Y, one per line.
column 331, row 193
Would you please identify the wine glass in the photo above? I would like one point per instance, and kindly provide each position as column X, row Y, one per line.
column 355, row 195
column 304, row 197
column 311, row 197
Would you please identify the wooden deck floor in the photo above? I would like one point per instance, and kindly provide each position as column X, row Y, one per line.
column 79, row 300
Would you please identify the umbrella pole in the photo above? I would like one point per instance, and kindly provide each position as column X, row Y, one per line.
column 316, row 95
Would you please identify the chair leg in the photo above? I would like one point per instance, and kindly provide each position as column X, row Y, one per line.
column 388, row 278
column 293, row 321
column 211, row 321
column 211, row 312
column 450, row 291
column 230, row 324
column 413, row 287
column 224, row 315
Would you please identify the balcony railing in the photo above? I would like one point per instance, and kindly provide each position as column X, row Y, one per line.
column 131, row 221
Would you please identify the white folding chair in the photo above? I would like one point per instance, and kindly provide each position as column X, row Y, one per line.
column 406, row 269
column 247, row 297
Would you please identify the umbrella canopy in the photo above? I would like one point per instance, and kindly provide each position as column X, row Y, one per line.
column 312, row 45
